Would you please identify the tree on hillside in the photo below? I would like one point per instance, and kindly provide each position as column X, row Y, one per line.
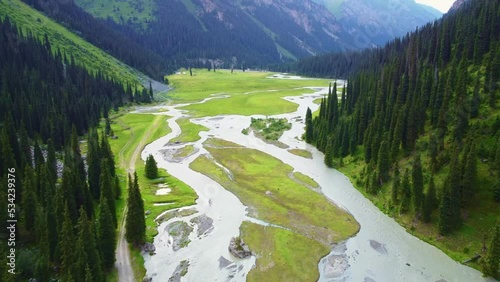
column 106, row 234
column 405, row 194
column 151, row 167
column 418, row 186
column 490, row 263
column 135, row 228
column 429, row 201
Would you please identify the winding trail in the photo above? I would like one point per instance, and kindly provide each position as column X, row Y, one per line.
column 122, row 263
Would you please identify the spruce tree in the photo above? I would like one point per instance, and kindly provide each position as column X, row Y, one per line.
column 42, row 271
column 396, row 183
column 151, row 167
column 87, row 239
column 429, row 201
column 405, row 194
column 135, row 226
column 384, row 162
column 29, row 202
column 490, row 263
column 309, row 127
column 445, row 216
column 469, row 178
column 94, row 163
column 329, row 153
column 418, row 186
column 107, row 187
column 66, row 246
column 106, row 234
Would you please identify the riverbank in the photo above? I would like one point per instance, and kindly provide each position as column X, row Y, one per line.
column 382, row 250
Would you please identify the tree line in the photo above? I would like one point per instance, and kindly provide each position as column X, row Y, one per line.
column 421, row 109
column 65, row 200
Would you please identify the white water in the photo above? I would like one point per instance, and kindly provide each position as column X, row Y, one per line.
column 381, row 251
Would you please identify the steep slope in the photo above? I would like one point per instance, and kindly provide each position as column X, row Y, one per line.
column 258, row 32
column 84, row 53
column 418, row 130
column 378, row 21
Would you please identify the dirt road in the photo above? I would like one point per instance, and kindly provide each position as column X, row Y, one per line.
column 123, row 264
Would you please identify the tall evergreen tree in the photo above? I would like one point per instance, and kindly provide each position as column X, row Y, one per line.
column 151, row 167
column 106, row 234
column 309, row 126
column 491, row 263
column 405, row 194
column 446, row 216
column 135, row 226
column 107, row 187
column 429, row 201
column 29, row 202
column 384, row 162
column 418, row 186
column 66, row 246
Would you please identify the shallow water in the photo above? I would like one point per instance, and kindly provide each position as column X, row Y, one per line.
column 381, row 251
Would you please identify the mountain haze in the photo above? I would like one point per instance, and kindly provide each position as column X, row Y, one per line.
column 262, row 31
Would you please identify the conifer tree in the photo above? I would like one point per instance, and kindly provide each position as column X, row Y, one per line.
column 51, row 158
column 94, row 163
column 430, row 201
column 42, row 271
column 491, row 262
column 396, row 183
column 135, row 226
column 469, row 178
column 405, row 194
column 106, row 234
column 329, row 153
column 29, row 202
column 107, row 187
column 309, row 126
column 87, row 239
column 384, row 162
column 445, row 217
column 107, row 153
column 454, row 181
column 66, row 246
column 151, row 167
column 418, row 186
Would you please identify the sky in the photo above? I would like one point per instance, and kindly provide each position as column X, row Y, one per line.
column 441, row 5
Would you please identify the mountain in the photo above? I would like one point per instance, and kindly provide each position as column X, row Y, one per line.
column 378, row 21
column 69, row 43
column 259, row 32
column 457, row 5
column 417, row 128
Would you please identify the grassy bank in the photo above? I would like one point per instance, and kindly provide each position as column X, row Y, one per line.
column 133, row 131
column 462, row 244
column 263, row 183
column 85, row 54
column 189, row 131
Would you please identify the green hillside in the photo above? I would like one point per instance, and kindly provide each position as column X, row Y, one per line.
column 84, row 53
column 121, row 11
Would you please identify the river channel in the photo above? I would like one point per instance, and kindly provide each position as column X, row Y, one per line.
column 381, row 251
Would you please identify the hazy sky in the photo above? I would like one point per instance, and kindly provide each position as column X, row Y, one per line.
column 441, row 5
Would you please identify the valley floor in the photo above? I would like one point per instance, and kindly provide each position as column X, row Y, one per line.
column 283, row 202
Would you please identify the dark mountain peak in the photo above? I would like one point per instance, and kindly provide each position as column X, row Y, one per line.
column 457, row 5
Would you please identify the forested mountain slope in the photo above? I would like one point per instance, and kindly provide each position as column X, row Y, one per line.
column 31, row 21
column 64, row 225
column 254, row 31
column 418, row 129
column 379, row 20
